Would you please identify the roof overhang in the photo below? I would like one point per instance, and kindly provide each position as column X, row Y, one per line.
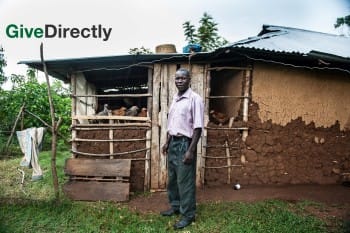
column 111, row 65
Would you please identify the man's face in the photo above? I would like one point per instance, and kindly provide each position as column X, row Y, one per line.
column 182, row 81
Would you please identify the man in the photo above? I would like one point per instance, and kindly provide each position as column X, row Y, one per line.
column 185, row 123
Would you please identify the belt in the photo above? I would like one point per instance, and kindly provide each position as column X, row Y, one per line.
column 176, row 138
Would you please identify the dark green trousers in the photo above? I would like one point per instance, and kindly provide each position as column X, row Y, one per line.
column 181, row 178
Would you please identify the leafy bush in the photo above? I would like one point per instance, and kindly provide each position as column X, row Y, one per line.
column 28, row 91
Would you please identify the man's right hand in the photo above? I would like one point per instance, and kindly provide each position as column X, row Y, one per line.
column 165, row 149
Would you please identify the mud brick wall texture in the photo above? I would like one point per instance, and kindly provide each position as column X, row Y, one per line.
column 297, row 153
column 137, row 173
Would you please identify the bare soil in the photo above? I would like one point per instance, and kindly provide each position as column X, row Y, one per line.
column 334, row 199
column 337, row 195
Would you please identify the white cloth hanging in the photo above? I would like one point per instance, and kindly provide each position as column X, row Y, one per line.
column 30, row 140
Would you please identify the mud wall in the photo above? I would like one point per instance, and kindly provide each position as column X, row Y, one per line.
column 289, row 142
column 137, row 173
column 285, row 94
column 297, row 153
column 85, row 105
column 226, row 83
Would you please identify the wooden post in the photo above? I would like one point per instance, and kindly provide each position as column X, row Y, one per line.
column 198, row 75
column 228, row 162
column 147, row 161
column 155, row 149
column 206, row 88
column 246, row 101
column 147, row 182
column 164, row 92
column 54, row 127
column 22, row 120
column 73, row 83
column 111, row 143
column 14, row 128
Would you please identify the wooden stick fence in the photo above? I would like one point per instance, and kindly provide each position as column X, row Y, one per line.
column 220, row 157
column 223, row 128
column 227, row 96
column 111, row 140
column 114, row 95
column 225, row 166
column 111, row 154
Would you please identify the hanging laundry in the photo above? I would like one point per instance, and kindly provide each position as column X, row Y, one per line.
column 30, row 141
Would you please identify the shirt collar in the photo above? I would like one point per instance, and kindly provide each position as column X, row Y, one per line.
column 184, row 95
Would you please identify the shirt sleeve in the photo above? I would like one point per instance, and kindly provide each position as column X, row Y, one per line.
column 198, row 112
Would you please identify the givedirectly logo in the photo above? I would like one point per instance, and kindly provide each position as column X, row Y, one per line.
column 57, row 31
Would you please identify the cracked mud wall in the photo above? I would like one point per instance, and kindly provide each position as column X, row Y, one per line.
column 298, row 130
column 285, row 93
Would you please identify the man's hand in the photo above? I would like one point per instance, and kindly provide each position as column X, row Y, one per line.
column 165, row 148
column 188, row 158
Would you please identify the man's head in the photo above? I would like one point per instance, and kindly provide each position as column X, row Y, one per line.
column 182, row 80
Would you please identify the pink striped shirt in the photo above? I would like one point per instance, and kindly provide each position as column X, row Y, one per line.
column 185, row 114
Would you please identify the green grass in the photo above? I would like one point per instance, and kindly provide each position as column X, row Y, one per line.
column 41, row 216
column 32, row 209
column 39, row 190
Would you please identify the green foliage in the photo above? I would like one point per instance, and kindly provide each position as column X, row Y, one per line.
column 189, row 31
column 28, row 91
column 2, row 65
column 342, row 21
column 142, row 50
column 31, row 73
column 206, row 34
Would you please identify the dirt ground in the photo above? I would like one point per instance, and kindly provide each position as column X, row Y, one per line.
column 336, row 198
column 327, row 194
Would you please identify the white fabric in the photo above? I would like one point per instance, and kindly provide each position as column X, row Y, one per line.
column 29, row 141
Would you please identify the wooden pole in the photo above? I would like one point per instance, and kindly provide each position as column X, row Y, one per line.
column 73, row 83
column 147, row 181
column 229, row 68
column 14, row 128
column 233, row 165
column 228, row 163
column 54, row 127
column 147, row 161
column 155, row 148
column 206, row 121
column 197, row 84
column 246, row 102
column 111, row 143
column 115, row 95
column 114, row 154
column 46, row 124
column 164, row 91
column 22, row 120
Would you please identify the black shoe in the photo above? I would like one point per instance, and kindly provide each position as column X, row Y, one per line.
column 169, row 212
column 184, row 222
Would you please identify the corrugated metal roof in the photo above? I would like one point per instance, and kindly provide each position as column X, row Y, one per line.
column 294, row 40
column 273, row 39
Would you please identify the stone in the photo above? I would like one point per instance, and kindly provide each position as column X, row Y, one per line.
column 269, row 140
column 336, row 170
column 251, row 155
column 322, row 141
column 278, row 148
column 243, row 159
